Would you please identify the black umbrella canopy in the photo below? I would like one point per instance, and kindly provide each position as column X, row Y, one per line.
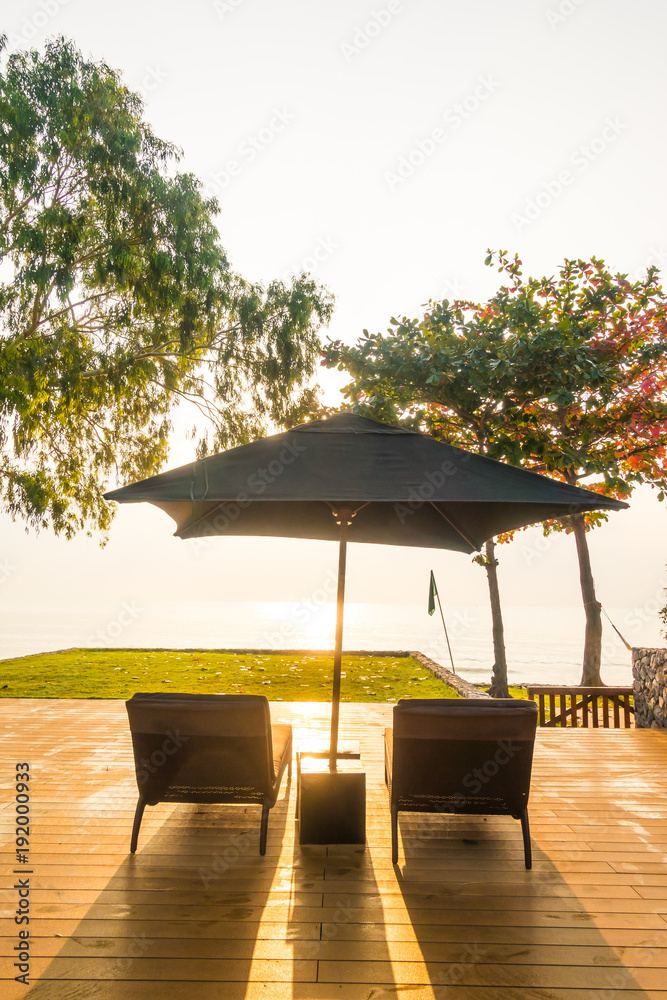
column 403, row 488
column 353, row 478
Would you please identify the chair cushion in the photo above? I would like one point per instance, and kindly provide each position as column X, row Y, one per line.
column 199, row 714
column 280, row 735
column 465, row 719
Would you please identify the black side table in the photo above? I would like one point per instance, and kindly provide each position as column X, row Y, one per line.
column 330, row 805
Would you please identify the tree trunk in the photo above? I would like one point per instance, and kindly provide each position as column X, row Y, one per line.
column 590, row 676
column 498, row 687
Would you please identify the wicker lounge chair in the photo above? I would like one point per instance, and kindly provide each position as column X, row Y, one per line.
column 461, row 755
column 207, row 748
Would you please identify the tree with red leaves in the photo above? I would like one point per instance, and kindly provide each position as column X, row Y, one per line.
column 560, row 375
column 608, row 417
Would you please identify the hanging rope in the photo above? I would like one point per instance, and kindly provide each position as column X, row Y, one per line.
column 622, row 638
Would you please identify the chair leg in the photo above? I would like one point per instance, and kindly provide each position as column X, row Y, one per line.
column 394, row 835
column 298, row 785
column 139, row 812
column 525, row 829
column 263, row 830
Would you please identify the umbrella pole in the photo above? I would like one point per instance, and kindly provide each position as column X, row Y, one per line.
column 344, row 522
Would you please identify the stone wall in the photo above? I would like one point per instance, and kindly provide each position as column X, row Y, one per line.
column 649, row 672
column 461, row 686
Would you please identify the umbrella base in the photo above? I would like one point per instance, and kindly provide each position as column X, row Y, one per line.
column 332, row 805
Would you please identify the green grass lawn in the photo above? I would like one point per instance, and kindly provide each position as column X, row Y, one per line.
column 515, row 692
column 119, row 673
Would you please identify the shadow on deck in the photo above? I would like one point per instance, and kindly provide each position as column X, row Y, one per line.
column 197, row 911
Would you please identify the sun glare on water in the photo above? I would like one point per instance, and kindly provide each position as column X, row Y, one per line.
column 304, row 624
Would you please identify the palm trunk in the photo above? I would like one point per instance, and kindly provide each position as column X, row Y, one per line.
column 498, row 687
column 590, row 676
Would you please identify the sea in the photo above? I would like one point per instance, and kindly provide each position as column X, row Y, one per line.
column 543, row 645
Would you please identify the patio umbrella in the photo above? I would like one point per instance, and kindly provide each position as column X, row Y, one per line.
column 349, row 478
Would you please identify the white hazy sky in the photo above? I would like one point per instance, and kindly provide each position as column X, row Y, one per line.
column 384, row 146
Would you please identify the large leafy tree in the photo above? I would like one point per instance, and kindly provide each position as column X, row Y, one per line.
column 117, row 301
column 605, row 419
column 564, row 376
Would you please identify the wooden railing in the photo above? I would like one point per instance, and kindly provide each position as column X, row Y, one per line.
column 595, row 707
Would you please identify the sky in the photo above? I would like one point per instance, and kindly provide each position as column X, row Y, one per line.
column 383, row 146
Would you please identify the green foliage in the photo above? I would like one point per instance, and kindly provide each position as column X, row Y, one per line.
column 118, row 673
column 562, row 375
column 117, row 301
column 603, row 411
column 565, row 375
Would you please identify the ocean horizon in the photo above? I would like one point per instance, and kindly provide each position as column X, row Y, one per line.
column 543, row 645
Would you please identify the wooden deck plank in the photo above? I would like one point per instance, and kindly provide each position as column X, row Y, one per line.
column 470, row 910
column 484, row 974
column 49, row 934
column 157, row 970
column 245, row 949
column 87, row 989
column 325, row 893
column 473, row 918
column 419, row 882
column 460, row 911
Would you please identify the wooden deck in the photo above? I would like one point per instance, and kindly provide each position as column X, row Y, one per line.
column 459, row 917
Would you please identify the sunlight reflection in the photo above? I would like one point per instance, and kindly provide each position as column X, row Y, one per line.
column 304, row 625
